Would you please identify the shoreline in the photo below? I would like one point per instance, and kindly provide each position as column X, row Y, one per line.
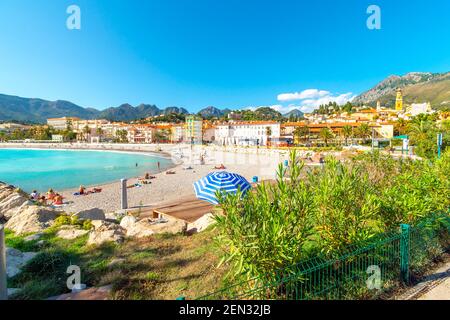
column 164, row 188
column 84, row 147
column 174, row 162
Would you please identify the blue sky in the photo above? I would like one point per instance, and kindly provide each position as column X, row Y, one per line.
column 225, row 53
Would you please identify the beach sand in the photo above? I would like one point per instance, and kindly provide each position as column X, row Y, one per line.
column 179, row 185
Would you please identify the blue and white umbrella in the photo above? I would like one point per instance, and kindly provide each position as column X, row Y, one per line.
column 206, row 187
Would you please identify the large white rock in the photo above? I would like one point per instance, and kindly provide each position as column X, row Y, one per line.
column 11, row 212
column 5, row 191
column 147, row 227
column 171, row 226
column 201, row 224
column 32, row 219
column 12, row 201
column 71, row 233
column 106, row 232
column 127, row 222
column 15, row 259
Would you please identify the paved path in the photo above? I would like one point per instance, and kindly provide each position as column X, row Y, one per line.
column 435, row 286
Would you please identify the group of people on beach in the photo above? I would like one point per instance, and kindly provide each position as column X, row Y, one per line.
column 83, row 192
column 51, row 197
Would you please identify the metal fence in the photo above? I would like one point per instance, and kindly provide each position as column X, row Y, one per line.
column 365, row 272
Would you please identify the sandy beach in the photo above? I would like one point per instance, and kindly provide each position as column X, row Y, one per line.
column 171, row 187
column 245, row 161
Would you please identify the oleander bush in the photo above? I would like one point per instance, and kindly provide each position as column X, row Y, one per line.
column 323, row 211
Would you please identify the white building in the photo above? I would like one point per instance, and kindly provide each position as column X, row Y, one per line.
column 62, row 123
column 247, row 133
column 419, row 108
column 178, row 132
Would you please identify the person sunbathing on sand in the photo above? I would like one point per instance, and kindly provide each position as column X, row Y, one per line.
column 34, row 195
column 42, row 200
column 81, row 190
column 170, row 172
column 50, row 194
column 58, row 199
column 221, row 167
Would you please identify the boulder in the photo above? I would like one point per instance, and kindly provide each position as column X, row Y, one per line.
column 119, row 214
column 127, row 222
column 99, row 223
column 12, row 201
column 171, row 226
column 106, row 232
column 91, row 214
column 5, row 191
column 11, row 212
column 201, row 224
column 71, row 233
column 140, row 229
column 15, row 259
column 147, row 227
column 32, row 219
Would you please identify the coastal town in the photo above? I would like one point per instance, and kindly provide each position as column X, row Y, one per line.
column 311, row 129
column 159, row 195
column 245, row 152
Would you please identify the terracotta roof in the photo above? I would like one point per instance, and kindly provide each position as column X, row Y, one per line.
column 245, row 123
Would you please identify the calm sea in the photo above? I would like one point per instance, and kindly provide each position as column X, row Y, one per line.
column 44, row 169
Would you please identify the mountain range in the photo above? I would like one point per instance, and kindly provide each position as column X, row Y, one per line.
column 417, row 87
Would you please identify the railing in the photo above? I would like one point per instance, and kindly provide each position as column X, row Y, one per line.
column 366, row 272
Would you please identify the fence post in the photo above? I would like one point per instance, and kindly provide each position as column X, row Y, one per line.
column 123, row 194
column 404, row 253
column 3, row 286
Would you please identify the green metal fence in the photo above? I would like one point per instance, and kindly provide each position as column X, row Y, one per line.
column 365, row 272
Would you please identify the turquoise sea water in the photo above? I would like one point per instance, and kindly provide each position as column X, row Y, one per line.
column 44, row 169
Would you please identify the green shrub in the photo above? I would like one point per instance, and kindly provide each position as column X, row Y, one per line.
column 73, row 220
column 325, row 210
column 62, row 220
column 87, row 225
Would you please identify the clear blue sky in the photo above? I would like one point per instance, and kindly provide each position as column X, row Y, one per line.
column 225, row 53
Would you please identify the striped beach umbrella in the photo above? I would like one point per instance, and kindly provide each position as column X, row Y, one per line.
column 206, row 187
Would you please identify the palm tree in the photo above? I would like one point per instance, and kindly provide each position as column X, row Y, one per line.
column 162, row 136
column 347, row 131
column 122, row 135
column 419, row 130
column 268, row 134
column 300, row 132
column 326, row 134
column 99, row 132
column 401, row 126
column 364, row 131
column 86, row 131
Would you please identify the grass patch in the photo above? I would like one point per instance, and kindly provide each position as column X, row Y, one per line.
column 158, row 267
column 163, row 267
